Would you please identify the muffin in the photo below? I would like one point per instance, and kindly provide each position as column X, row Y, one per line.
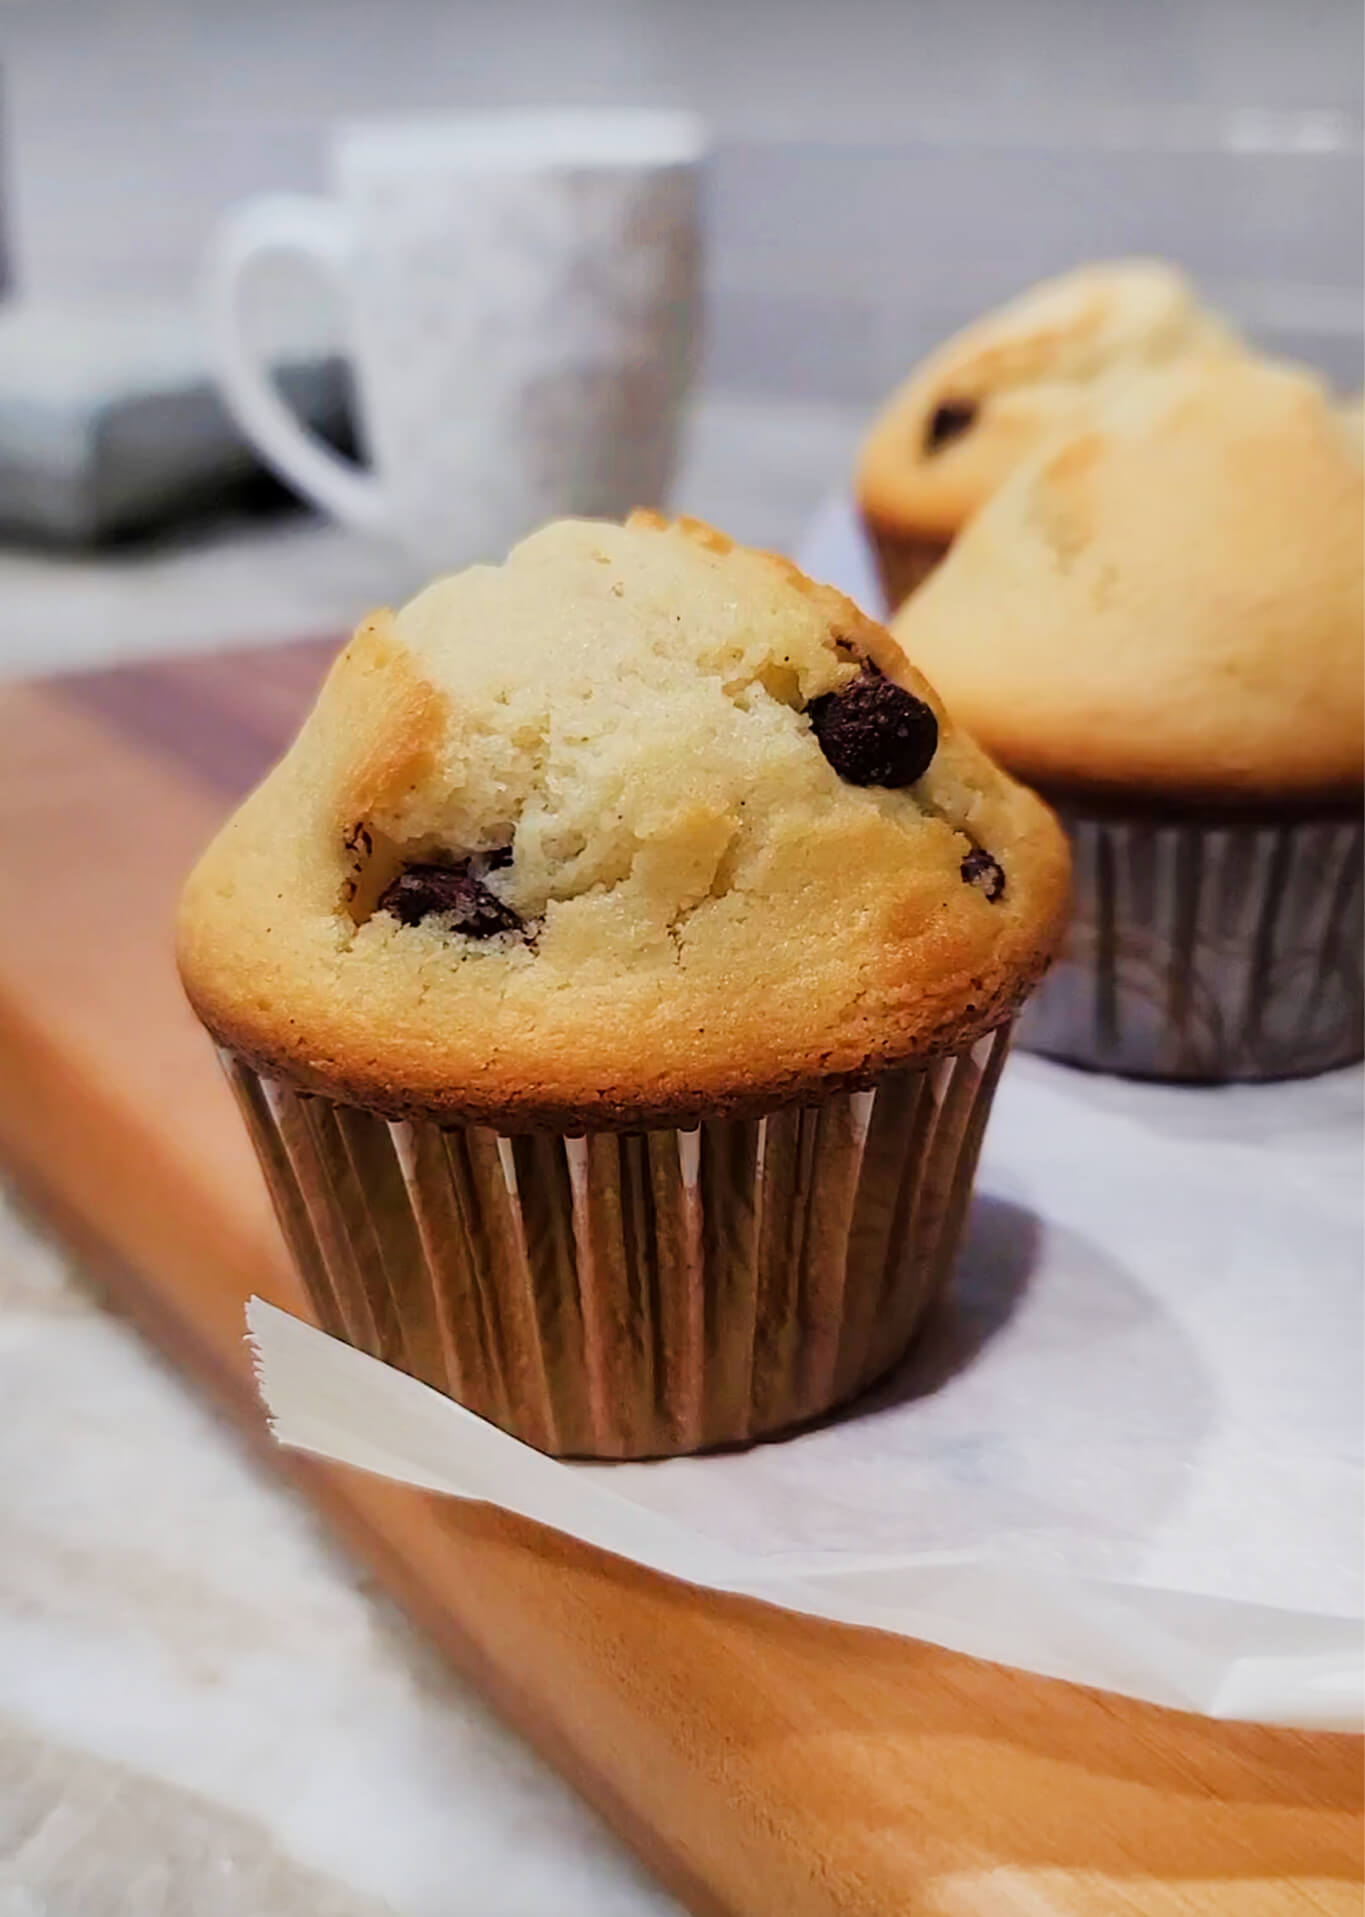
column 1157, row 622
column 614, row 976
column 964, row 419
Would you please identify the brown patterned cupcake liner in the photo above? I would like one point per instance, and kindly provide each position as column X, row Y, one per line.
column 633, row 1294
column 1208, row 950
column 904, row 561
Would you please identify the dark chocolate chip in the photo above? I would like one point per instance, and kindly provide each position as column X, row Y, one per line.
column 949, row 421
column 875, row 733
column 448, row 891
column 981, row 870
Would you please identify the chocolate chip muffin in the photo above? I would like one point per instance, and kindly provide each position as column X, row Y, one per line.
column 614, row 975
column 962, row 421
column 1157, row 621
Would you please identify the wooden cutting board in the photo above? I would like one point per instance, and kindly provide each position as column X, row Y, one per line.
column 760, row 1763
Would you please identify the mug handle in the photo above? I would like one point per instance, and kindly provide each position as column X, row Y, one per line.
column 317, row 231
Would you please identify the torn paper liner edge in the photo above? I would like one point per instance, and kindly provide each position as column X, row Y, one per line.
column 633, row 1294
column 1218, row 1657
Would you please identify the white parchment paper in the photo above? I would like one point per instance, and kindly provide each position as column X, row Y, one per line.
column 1126, row 1451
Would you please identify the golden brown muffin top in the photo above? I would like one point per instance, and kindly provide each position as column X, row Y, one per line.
column 1167, row 600
column 563, row 842
column 961, row 422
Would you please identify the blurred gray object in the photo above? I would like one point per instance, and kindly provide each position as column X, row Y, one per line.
column 4, row 201
column 110, row 421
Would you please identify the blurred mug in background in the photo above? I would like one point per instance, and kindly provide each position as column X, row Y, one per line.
column 521, row 294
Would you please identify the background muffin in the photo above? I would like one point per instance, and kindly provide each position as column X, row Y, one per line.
column 626, row 933
column 1158, row 621
column 963, row 420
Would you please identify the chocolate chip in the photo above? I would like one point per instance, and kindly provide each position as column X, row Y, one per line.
column 875, row 733
column 981, row 870
column 448, row 891
column 949, row 421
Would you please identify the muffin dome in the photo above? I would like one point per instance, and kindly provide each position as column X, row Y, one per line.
column 564, row 841
column 957, row 427
column 1166, row 601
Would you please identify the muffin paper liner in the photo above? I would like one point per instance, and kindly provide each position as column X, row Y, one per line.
column 1125, row 1451
column 633, row 1294
column 903, row 561
column 1208, row 950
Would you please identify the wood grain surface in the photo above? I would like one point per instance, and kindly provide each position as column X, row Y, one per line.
column 761, row 1763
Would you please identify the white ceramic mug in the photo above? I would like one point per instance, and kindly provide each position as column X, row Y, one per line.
column 521, row 295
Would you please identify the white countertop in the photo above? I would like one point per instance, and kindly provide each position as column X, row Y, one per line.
column 204, row 1712
column 203, row 1709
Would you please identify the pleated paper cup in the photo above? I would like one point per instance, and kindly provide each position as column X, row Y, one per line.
column 633, row 1294
column 904, row 560
column 1208, row 949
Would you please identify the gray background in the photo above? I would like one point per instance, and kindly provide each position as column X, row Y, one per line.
column 883, row 169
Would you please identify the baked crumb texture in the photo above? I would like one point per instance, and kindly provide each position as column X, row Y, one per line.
column 957, row 427
column 1164, row 604
column 560, row 846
